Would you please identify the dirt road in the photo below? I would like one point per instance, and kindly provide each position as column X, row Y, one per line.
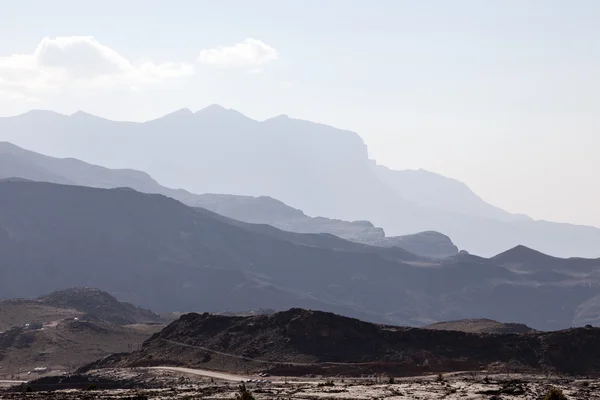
column 202, row 372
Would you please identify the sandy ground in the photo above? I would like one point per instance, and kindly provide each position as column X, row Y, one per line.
column 178, row 384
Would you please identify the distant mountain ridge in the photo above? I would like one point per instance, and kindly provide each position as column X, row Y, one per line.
column 437, row 191
column 152, row 250
column 26, row 164
column 313, row 167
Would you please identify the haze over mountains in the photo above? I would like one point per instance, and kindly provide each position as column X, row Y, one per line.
column 158, row 253
column 20, row 163
column 318, row 169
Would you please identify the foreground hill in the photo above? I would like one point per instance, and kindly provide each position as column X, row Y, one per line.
column 316, row 168
column 154, row 251
column 302, row 342
column 16, row 162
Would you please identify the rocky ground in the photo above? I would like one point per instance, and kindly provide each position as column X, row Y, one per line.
column 156, row 384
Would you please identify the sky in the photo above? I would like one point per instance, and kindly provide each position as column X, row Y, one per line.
column 504, row 96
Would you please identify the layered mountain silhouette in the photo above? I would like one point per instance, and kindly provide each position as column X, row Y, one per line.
column 21, row 163
column 156, row 252
column 313, row 167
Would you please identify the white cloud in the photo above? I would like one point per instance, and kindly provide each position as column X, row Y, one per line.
column 250, row 53
column 79, row 61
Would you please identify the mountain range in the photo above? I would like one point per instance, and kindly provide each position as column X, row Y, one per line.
column 318, row 169
column 154, row 251
column 20, row 163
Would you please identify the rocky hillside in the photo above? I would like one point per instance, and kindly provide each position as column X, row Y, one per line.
column 66, row 345
column 100, row 306
column 68, row 328
column 82, row 303
column 481, row 326
column 300, row 341
column 19, row 312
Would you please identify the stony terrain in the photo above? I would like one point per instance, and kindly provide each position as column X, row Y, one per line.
column 300, row 342
column 141, row 384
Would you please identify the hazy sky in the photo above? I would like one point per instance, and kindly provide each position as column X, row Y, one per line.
column 504, row 95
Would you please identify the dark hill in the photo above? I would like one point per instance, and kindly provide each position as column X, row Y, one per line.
column 481, row 325
column 299, row 342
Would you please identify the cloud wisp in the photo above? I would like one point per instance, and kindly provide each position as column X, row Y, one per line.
column 249, row 54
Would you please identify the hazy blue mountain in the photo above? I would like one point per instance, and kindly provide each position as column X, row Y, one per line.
column 437, row 191
column 313, row 167
column 21, row 163
column 161, row 254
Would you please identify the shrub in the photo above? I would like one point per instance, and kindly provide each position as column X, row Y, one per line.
column 391, row 380
column 328, row 382
column 440, row 378
column 92, row 386
column 555, row 394
column 243, row 393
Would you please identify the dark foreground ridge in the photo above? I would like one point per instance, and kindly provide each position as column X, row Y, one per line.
column 300, row 342
column 481, row 325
